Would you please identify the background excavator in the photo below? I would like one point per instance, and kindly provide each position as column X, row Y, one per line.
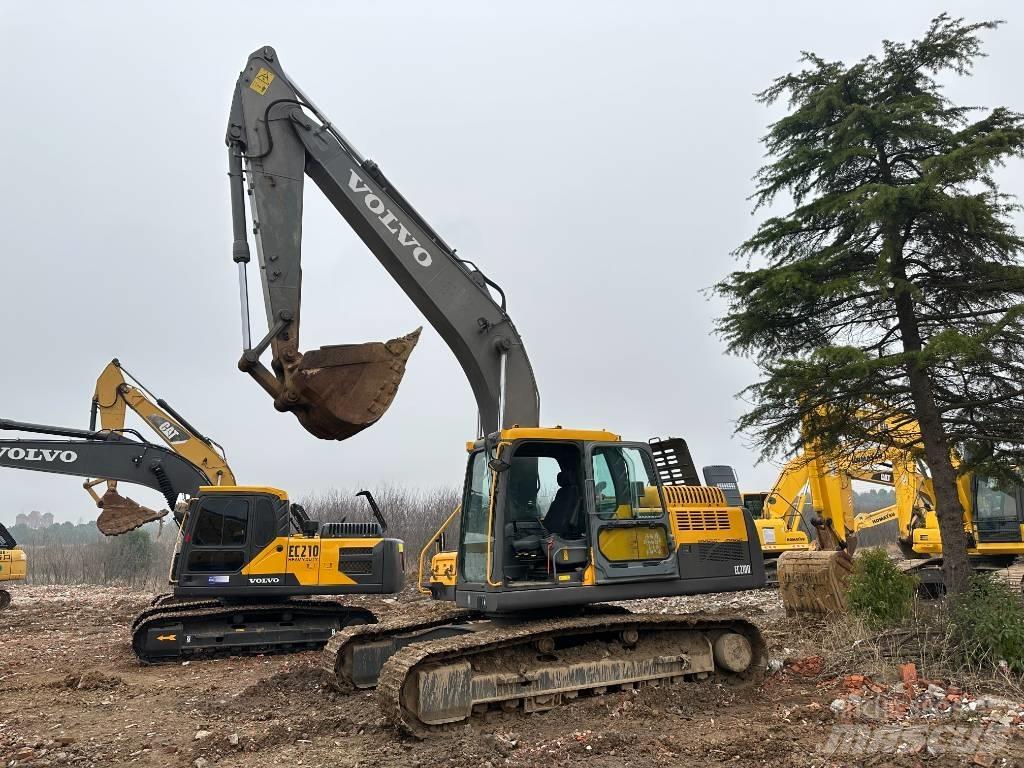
column 810, row 493
column 111, row 400
column 246, row 560
column 13, row 564
column 552, row 520
column 815, row 581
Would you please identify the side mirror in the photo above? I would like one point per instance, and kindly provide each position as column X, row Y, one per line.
column 499, row 465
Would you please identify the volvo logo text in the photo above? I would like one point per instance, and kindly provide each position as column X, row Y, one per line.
column 47, row 455
column 391, row 223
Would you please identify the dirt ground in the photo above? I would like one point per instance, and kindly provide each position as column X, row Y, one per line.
column 72, row 693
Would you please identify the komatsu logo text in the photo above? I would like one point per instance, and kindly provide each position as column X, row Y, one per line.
column 46, row 455
column 391, row 223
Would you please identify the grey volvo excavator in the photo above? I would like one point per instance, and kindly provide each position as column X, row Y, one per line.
column 552, row 520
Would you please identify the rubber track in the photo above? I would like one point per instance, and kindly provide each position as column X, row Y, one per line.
column 163, row 607
column 401, row 665
column 331, row 658
column 213, row 608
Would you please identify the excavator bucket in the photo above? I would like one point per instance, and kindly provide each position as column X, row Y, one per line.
column 121, row 515
column 345, row 388
column 814, row 582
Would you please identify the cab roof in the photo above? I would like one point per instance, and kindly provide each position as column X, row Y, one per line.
column 205, row 489
column 551, row 433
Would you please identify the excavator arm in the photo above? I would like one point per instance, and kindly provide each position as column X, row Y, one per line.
column 114, row 396
column 276, row 136
column 110, row 455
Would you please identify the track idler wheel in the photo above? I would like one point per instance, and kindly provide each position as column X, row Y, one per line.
column 338, row 391
column 121, row 515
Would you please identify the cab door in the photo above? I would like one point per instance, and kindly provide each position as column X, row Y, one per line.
column 217, row 544
column 629, row 526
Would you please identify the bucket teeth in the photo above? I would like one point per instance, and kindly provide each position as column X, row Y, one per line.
column 121, row 514
column 345, row 388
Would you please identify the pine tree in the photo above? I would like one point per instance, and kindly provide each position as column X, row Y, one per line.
column 895, row 283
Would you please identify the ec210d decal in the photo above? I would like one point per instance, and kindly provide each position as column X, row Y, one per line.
column 303, row 551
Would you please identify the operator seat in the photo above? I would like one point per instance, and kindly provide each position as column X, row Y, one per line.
column 563, row 514
column 558, row 544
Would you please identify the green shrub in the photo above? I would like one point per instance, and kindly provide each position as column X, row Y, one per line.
column 879, row 593
column 988, row 620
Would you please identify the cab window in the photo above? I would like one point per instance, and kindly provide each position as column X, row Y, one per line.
column 476, row 539
column 994, row 503
column 221, row 522
column 625, row 484
column 264, row 522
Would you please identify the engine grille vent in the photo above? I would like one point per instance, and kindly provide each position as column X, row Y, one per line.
column 721, row 552
column 702, row 520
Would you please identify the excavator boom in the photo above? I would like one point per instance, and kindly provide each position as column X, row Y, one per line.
column 114, row 395
column 114, row 456
column 275, row 137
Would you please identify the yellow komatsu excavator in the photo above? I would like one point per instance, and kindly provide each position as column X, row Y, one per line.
column 810, row 492
column 13, row 564
column 553, row 521
column 993, row 518
column 112, row 398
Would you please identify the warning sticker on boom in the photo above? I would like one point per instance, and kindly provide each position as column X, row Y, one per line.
column 262, row 81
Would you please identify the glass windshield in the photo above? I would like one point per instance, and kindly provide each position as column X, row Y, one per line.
column 993, row 503
column 625, row 484
column 475, row 511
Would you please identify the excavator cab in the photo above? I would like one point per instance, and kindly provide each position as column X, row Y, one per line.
column 998, row 512
column 236, row 538
column 554, row 517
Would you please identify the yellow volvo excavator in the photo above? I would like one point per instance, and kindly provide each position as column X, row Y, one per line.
column 246, row 561
column 13, row 564
column 553, row 521
column 111, row 400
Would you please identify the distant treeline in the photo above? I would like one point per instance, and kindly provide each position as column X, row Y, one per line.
column 876, row 498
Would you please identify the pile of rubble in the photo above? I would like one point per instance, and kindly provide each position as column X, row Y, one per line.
column 914, row 715
column 917, row 698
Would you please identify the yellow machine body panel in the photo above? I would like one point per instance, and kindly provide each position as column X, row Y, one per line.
column 13, row 565
column 700, row 514
column 776, row 537
column 442, row 569
column 311, row 559
column 619, row 544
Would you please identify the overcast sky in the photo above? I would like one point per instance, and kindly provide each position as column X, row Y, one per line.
column 593, row 158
